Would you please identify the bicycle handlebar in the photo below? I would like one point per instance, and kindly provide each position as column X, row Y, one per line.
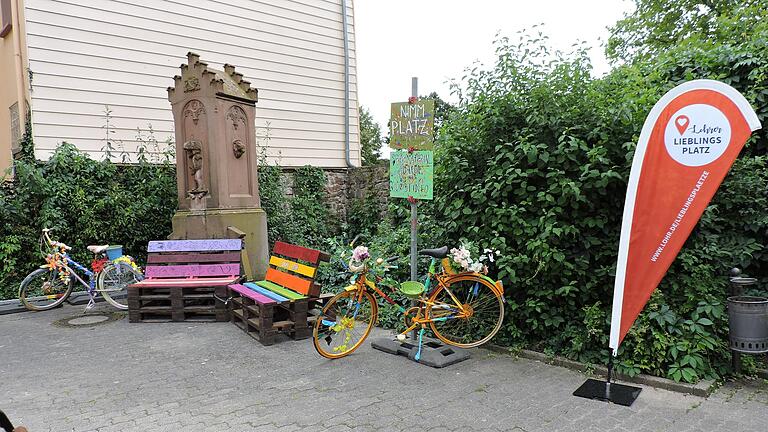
column 53, row 243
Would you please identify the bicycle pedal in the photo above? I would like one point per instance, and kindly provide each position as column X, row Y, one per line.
column 401, row 337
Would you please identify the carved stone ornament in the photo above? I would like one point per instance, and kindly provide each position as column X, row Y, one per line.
column 191, row 84
column 194, row 109
column 236, row 115
column 238, row 148
column 194, row 150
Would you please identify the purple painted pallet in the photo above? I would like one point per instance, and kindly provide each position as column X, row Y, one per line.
column 195, row 245
column 195, row 270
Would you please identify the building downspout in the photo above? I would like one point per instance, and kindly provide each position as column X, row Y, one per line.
column 21, row 102
column 347, row 149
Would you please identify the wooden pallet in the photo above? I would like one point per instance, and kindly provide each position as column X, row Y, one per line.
column 264, row 318
column 186, row 280
column 286, row 301
column 178, row 304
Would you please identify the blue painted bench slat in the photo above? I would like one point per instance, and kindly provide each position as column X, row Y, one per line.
column 265, row 292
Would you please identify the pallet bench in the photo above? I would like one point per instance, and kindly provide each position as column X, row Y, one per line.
column 287, row 301
column 183, row 279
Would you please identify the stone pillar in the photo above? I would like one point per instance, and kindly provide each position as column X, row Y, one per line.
column 216, row 159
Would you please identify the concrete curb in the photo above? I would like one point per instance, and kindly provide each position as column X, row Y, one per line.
column 702, row 389
column 15, row 306
column 11, row 306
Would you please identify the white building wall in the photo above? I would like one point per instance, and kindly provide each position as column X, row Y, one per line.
column 85, row 55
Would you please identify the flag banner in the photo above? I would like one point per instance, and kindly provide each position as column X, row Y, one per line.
column 688, row 143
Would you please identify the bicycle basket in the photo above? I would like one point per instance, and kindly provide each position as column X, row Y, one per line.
column 412, row 289
column 114, row 252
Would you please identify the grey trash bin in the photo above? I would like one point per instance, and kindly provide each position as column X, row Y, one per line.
column 748, row 324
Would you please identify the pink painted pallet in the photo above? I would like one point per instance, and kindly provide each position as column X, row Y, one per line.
column 186, row 280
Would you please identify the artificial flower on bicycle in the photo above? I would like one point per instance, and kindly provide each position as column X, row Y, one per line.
column 56, row 261
column 361, row 259
column 468, row 258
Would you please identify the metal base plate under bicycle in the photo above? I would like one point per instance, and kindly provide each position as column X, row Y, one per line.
column 433, row 352
column 618, row 394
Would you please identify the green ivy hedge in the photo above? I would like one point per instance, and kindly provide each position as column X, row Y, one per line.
column 534, row 163
column 85, row 202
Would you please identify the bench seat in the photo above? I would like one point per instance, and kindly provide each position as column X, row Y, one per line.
column 286, row 301
column 186, row 280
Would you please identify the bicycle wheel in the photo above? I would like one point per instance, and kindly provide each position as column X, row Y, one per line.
column 483, row 311
column 44, row 289
column 344, row 324
column 113, row 281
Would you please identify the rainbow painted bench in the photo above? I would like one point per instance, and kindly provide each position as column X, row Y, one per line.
column 186, row 280
column 288, row 299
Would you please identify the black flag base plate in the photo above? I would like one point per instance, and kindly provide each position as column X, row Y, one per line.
column 619, row 394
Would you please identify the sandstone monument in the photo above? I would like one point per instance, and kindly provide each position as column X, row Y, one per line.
column 216, row 159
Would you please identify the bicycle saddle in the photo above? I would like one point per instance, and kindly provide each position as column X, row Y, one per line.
column 435, row 253
column 97, row 249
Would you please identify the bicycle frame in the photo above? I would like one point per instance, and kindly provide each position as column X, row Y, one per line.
column 457, row 310
column 90, row 285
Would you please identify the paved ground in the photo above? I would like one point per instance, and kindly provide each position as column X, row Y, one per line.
column 212, row 377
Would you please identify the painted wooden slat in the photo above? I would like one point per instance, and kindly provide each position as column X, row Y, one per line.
column 193, row 258
column 295, row 267
column 301, row 286
column 167, row 283
column 275, row 288
column 253, row 295
column 266, row 292
column 194, row 245
column 195, row 270
column 297, row 252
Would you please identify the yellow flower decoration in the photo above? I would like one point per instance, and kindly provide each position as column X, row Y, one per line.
column 128, row 260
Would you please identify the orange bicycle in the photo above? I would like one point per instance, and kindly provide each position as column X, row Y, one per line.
column 463, row 309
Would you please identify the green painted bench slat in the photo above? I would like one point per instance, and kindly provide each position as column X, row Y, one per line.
column 280, row 290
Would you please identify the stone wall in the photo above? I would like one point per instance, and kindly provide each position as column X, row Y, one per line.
column 346, row 186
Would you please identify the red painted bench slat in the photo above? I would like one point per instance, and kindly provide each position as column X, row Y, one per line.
column 297, row 252
column 195, row 245
column 194, row 270
column 301, row 286
column 253, row 295
column 156, row 258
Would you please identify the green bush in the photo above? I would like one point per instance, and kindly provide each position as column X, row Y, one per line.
column 534, row 163
column 85, row 202
column 303, row 219
column 275, row 203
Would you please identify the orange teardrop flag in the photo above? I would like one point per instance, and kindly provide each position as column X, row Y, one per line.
column 688, row 143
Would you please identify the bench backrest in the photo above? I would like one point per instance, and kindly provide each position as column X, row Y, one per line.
column 194, row 258
column 295, row 267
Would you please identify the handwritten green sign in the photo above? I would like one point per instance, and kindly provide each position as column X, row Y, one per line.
column 411, row 174
column 412, row 125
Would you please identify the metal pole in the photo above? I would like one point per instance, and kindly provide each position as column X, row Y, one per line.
column 414, row 219
column 735, row 291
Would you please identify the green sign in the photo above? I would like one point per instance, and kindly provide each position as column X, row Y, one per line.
column 411, row 174
column 412, row 125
